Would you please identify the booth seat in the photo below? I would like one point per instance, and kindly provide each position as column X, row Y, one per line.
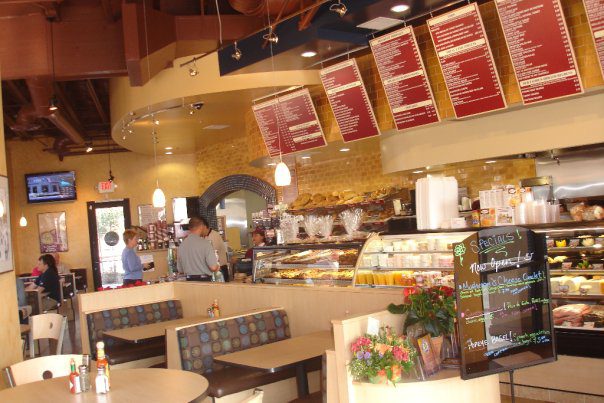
column 198, row 345
column 119, row 318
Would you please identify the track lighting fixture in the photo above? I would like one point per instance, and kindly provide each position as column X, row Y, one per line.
column 191, row 110
column 271, row 36
column 339, row 8
column 155, row 121
column 54, row 104
column 236, row 53
column 89, row 148
column 193, row 70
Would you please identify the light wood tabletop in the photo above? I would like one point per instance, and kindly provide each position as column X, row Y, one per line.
column 137, row 334
column 281, row 354
column 127, row 385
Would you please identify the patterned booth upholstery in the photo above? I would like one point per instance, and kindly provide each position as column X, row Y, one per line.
column 120, row 318
column 199, row 344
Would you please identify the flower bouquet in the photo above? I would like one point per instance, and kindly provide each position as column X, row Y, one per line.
column 381, row 358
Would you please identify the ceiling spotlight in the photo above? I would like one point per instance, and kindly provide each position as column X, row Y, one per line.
column 191, row 110
column 271, row 36
column 54, row 104
column 399, row 8
column 156, row 121
column 306, row 157
column 168, row 148
column 193, row 70
column 130, row 131
column 169, row 153
column 309, row 53
column 124, row 137
column 344, row 150
column 236, row 53
column 418, row 171
column 272, row 164
column 490, row 162
column 89, row 148
column 111, row 177
column 339, row 8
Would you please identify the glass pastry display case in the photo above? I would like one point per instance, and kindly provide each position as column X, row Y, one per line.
column 306, row 264
column 407, row 260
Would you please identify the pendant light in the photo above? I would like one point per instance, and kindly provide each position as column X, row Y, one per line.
column 282, row 175
column 159, row 198
column 22, row 221
column 53, row 101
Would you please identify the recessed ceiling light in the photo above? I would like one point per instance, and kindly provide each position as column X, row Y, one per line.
column 215, row 127
column 306, row 157
column 309, row 53
column 418, row 172
column 168, row 148
column 169, row 153
column 490, row 162
column 399, row 8
column 272, row 164
column 344, row 150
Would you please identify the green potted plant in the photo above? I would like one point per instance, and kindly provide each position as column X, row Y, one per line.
column 381, row 358
column 429, row 310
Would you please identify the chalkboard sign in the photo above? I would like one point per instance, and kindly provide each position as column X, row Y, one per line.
column 503, row 301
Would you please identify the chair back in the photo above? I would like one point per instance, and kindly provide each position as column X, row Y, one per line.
column 38, row 369
column 47, row 326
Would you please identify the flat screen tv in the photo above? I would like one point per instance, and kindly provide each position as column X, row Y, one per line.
column 50, row 187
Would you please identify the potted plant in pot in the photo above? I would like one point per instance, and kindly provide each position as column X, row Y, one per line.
column 381, row 358
column 429, row 310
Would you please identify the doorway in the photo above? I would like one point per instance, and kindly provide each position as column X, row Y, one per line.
column 235, row 220
column 107, row 222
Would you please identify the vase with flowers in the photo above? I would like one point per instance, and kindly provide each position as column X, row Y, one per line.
column 381, row 358
column 429, row 310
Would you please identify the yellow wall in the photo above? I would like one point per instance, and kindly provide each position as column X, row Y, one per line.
column 10, row 345
column 135, row 177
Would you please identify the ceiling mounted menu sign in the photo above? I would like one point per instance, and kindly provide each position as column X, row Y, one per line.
column 291, row 122
column 349, row 101
column 595, row 17
column 503, row 301
column 542, row 54
column 466, row 61
column 404, row 78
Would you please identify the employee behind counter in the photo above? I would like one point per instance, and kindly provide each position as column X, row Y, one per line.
column 244, row 265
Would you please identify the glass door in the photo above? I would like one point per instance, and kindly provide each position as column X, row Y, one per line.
column 106, row 224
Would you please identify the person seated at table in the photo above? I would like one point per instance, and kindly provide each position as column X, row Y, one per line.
column 131, row 262
column 48, row 282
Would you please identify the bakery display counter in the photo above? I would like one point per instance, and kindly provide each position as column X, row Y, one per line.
column 311, row 264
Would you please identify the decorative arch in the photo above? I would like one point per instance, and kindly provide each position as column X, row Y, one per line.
column 227, row 185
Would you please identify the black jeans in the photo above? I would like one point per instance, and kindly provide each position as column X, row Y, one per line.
column 225, row 272
column 198, row 278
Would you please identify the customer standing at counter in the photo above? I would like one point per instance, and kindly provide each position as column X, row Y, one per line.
column 131, row 262
column 218, row 244
column 196, row 256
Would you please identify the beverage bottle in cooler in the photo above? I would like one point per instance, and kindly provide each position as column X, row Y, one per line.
column 74, row 378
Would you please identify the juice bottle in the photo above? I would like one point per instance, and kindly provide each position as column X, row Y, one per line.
column 389, row 278
column 74, row 378
column 398, row 278
column 101, row 360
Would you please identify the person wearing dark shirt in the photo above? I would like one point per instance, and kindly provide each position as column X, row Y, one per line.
column 48, row 282
column 258, row 239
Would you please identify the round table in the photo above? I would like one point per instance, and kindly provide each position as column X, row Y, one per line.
column 127, row 385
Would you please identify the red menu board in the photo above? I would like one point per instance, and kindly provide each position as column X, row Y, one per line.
column 466, row 61
column 595, row 17
column 349, row 101
column 542, row 54
column 404, row 78
column 291, row 122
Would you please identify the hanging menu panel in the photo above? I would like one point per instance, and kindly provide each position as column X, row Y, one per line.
column 349, row 101
column 291, row 122
column 466, row 61
column 503, row 301
column 404, row 78
column 540, row 48
column 595, row 17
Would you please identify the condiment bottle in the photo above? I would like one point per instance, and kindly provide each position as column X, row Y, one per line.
column 216, row 309
column 101, row 360
column 101, row 382
column 74, row 379
column 84, row 378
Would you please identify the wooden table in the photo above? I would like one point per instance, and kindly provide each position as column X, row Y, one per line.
column 127, row 385
column 137, row 334
column 272, row 357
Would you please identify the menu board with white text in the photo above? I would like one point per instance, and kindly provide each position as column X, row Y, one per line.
column 540, row 47
column 503, row 301
column 466, row 61
column 349, row 101
column 595, row 17
column 404, row 78
column 289, row 123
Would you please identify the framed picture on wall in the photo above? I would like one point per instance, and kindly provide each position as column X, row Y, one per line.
column 6, row 253
column 52, row 228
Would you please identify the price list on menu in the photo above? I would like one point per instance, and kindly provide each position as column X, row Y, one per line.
column 595, row 17
column 503, row 301
column 349, row 101
column 466, row 61
column 541, row 51
column 404, row 78
column 291, row 122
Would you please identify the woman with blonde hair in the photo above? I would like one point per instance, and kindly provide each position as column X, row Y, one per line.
column 131, row 262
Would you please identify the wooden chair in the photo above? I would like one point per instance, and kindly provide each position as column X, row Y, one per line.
column 47, row 326
column 38, row 369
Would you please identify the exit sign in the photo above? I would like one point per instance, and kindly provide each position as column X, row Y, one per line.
column 106, row 187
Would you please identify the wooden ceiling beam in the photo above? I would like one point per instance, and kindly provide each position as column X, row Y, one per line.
column 97, row 101
column 65, row 103
column 16, row 92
